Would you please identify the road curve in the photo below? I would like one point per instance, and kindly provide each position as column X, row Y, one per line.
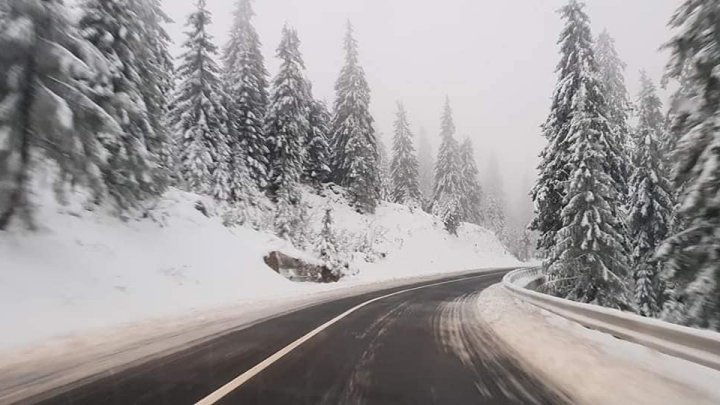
column 408, row 345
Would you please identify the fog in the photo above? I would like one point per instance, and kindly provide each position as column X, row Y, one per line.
column 495, row 60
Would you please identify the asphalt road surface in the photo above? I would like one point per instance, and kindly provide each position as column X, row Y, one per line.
column 418, row 344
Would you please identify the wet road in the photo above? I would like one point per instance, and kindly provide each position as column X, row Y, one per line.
column 418, row 344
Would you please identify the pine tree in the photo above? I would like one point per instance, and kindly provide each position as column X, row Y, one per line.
column 650, row 198
column 136, row 161
column 247, row 87
column 696, row 47
column 588, row 261
column 675, row 121
column 199, row 116
column 286, row 123
column 611, row 70
column 448, row 184
column 426, row 166
column 472, row 197
column 404, row 165
column 493, row 204
column 385, row 189
column 550, row 190
column 354, row 143
column 45, row 109
column 291, row 216
column 317, row 169
column 157, row 74
column 327, row 246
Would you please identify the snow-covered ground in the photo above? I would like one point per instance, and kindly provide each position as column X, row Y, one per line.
column 84, row 271
column 594, row 367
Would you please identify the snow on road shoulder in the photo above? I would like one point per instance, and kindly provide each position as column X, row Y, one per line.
column 594, row 367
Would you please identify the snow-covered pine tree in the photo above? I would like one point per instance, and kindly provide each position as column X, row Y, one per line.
column 404, row 164
column 246, row 84
column 448, row 184
column 696, row 47
column 612, row 76
column 157, row 72
column 472, row 197
column 199, row 116
column 354, row 142
column 135, row 169
column 676, row 274
column 493, row 204
column 678, row 112
column 675, row 122
column 650, row 198
column 588, row 261
column 426, row 166
column 291, row 215
column 45, row 111
column 327, row 246
column 550, row 190
column 385, row 188
column 286, row 123
column 317, row 168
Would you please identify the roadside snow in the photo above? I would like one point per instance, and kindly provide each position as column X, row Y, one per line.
column 85, row 271
column 594, row 367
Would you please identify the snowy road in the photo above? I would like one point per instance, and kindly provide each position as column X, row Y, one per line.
column 404, row 345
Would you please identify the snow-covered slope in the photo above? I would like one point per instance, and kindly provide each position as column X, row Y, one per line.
column 83, row 270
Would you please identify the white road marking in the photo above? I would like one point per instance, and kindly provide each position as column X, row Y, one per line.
column 244, row 377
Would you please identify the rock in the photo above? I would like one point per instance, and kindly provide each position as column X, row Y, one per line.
column 200, row 206
column 295, row 269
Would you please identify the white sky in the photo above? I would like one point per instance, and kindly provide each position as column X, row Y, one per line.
column 495, row 59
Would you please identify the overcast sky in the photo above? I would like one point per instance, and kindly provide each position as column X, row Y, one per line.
column 494, row 59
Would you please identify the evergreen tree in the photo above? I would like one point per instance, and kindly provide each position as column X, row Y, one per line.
column 354, row 143
column 136, row 161
column 246, row 85
column 471, row 198
column 157, row 73
column 317, row 169
column 696, row 47
column 650, row 199
column 448, row 184
column 678, row 113
column 577, row 57
column 291, row 216
column 675, row 121
column 385, row 189
column 327, row 246
column 493, row 205
column 588, row 261
column 404, row 165
column 199, row 116
column 45, row 111
column 611, row 70
column 426, row 166
column 286, row 124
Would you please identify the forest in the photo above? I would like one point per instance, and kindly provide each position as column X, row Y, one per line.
column 627, row 213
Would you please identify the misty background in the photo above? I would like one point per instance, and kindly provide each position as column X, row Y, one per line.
column 495, row 60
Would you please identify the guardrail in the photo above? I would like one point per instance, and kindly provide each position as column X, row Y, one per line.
column 698, row 346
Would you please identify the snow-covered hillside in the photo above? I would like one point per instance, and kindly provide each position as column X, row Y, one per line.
column 84, row 270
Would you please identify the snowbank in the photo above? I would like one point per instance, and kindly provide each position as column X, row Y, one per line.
column 594, row 367
column 83, row 271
